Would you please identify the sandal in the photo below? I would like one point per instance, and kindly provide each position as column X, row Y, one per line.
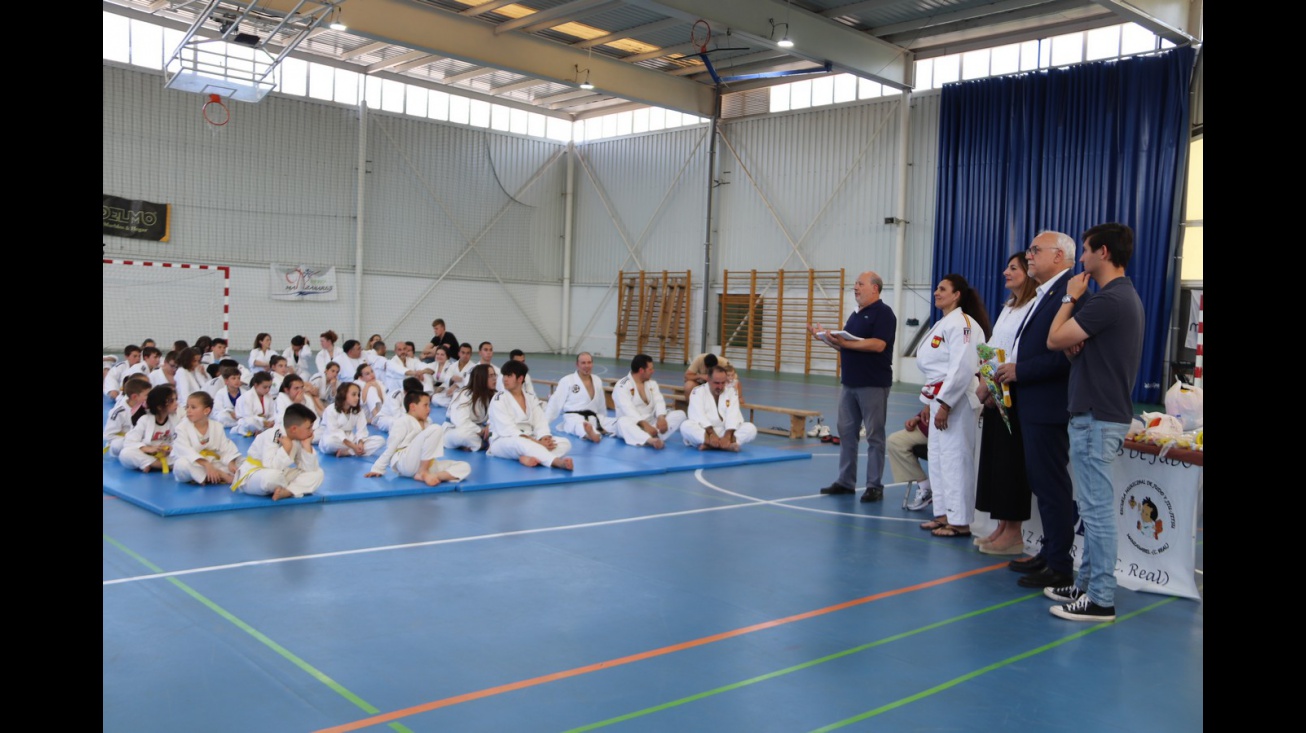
column 949, row 530
column 934, row 524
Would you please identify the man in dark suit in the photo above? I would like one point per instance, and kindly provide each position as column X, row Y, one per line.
column 1039, row 380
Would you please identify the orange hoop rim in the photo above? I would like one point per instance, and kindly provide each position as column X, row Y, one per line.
column 707, row 35
column 215, row 99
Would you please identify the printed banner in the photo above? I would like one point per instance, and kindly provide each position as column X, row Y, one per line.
column 301, row 282
column 1155, row 507
column 137, row 219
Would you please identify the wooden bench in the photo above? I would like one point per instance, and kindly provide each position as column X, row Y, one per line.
column 797, row 419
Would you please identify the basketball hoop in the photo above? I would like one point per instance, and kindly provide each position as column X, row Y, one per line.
column 217, row 119
column 700, row 37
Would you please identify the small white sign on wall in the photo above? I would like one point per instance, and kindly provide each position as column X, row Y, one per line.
column 302, row 282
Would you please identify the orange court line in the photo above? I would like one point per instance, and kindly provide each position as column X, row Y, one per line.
column 650, row 654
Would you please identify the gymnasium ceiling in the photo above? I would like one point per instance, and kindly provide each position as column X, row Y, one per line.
column 533, row 54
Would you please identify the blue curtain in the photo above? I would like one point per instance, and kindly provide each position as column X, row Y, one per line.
column 1066, row 149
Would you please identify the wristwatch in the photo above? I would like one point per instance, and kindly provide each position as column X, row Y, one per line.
column 1067, row 299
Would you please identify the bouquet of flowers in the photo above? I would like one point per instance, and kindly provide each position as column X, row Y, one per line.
column 990, row 358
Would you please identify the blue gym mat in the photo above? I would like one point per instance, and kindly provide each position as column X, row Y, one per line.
column 610, row 459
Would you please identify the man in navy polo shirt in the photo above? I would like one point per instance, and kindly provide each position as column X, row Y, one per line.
column 866, row 366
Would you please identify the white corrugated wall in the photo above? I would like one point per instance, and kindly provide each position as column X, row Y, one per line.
column 467, row 208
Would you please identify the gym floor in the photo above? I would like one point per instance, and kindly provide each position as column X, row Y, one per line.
column 729, row 599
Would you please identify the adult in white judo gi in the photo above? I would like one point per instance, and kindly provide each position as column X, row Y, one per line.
column 642, row 416
column 518, row 429
column 949, row 362
column 714, row 420
column 579, row 399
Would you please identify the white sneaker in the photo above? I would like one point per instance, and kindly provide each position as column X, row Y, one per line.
column 863, row 433
column 823, row 430
column 923, row 498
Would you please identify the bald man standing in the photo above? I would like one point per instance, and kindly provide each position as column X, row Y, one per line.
column 866, row 369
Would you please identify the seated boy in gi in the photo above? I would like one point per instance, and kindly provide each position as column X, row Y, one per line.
column 282, row 462
column 415, row 447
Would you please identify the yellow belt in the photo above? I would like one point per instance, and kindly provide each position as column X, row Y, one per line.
column 163, row 460
column 257, row 466
column 106, row 448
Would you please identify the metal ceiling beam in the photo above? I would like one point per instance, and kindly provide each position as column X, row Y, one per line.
column 657, row 25
column 363, row 50
column 429, row 29
column 855, row 8
column 961, row 43
column 1062, row 9
column 680, row 48
column 816, row 38
column 416, row 63
column 983, row 11
column 484, row 8
column 469, row 74
column 1169, row 19
column 515, row 86
column 734, row 62
column 563, row 96
column 556, row 15
column 397, row 60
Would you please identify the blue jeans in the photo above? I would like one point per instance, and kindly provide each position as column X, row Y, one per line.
column 858, row 407
column 1093, row 448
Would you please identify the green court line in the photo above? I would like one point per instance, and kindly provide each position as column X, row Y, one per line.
column 269, row 643
column 985, row 670
column 801, row 666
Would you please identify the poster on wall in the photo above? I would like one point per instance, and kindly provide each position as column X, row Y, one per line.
column 302, row 282
column 137, row 219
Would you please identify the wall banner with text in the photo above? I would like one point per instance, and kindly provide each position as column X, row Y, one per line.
column 137, row 219
column 302, row 282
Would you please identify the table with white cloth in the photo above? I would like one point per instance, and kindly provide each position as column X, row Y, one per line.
column 1158, row 499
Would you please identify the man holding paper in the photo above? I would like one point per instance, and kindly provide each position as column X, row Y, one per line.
column 866, row 366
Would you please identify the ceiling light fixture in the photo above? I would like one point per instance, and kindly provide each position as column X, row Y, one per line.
column 336, row 24
column 586, row 85
column 784, row 41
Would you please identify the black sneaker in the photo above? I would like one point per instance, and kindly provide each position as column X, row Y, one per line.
column 1064, row 594
column 872, row 494
column 837, row 489
column 1084, row 610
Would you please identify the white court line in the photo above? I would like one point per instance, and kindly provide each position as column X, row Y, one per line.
column 428, row 543
column 516, row 533
column 781, row 502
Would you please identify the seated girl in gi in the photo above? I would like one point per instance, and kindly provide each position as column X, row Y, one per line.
column 293, row 393
column 345, row 426
column 147, row 444
column 202, row 453
column 281, row 462
column 254, row 409
column 326, row 382
column 415, row 446
column 469, row 411
column 373, row 395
